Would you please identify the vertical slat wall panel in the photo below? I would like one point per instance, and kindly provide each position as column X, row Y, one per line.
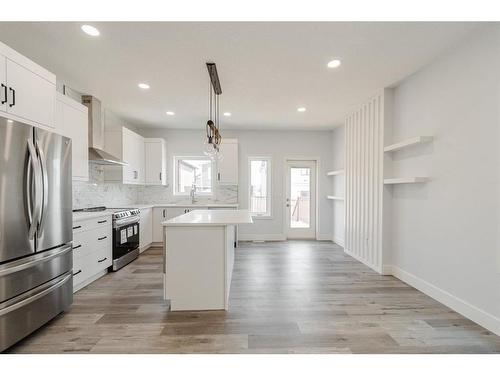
column 364, row 183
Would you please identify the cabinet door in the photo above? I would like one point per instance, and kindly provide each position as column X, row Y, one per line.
column 228, row 167
column 146, row 227
column 3, row 82
column 30, row 96
column 128, row 153
column 154, row 163
column 159, row 215
column 175, row 211
column 76, row 127
column 140, row 160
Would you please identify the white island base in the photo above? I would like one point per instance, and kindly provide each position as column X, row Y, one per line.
column 199, row 258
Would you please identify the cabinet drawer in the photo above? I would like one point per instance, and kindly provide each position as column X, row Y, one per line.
column 88, row 224
column 81, row 269
column 101, row 259
column 89, row 241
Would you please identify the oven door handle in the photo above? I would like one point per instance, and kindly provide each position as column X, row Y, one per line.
column 126, row 221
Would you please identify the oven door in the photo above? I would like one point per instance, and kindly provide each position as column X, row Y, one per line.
column 125, row 236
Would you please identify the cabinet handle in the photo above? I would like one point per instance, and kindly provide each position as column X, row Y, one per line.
column 102, row 260
column 13, row 97
column 160, row 176
column 76, row 273
column 163, row 213
column 102, row 221
column 102, row 238
column 4, row 100
column 76, row 247
column 218, row 176
column 77, row 227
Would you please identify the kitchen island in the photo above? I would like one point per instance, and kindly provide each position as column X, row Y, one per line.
column 199, row 257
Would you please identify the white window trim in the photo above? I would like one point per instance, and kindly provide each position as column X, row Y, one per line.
column 176, row 175
column 269, row 160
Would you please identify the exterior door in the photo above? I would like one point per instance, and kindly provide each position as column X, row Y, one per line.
column 17, row 199
column 55, row 227
column 300, row 200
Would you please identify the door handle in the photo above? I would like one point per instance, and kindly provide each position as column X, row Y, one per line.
column 13, row 97
column 4, row 100
column 45, row 189
column 34, row 216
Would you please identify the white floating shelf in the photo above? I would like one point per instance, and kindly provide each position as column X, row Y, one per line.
column 332, row 197
column 408, row 142
column 335, row 173
column 405, row 180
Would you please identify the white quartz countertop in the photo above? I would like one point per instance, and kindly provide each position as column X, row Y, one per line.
column 172, row 205
column 211, row 217
column 79, row 216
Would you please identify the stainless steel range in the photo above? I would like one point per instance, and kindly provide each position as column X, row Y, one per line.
column 125, row 237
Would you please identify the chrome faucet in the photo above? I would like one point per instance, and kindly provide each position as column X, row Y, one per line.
column 193, row 193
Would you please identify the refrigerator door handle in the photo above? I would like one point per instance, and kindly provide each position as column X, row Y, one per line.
column 45, row 188
column 34, row 216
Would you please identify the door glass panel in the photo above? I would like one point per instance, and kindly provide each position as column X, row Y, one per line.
column 300, row 197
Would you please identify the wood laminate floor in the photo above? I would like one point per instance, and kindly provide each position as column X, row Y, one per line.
column 286, row 297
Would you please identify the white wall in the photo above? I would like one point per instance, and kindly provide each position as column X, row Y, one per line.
column 278, row 145
column 446, row 231
column 338, row 184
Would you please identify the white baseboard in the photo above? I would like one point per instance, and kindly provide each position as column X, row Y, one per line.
column 359, row 259
column 464, row 308
column 324, row 237
column 339, row 241
column 261, row 237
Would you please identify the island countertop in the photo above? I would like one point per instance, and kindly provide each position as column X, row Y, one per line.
column 211, row 217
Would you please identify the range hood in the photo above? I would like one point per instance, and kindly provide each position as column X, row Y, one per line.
column 97, row 155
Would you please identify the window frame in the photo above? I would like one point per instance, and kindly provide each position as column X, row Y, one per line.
column 269, row 213
column 177, row 158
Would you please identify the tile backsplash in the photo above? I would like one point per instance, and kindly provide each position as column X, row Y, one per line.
column 96, row 192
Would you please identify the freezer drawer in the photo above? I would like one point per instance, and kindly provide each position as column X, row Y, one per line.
column 22, row 315
column 24, row 274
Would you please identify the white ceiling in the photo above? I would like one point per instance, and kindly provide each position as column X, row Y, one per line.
column 267, row 70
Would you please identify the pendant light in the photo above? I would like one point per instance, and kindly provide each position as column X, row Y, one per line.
column 213, row 136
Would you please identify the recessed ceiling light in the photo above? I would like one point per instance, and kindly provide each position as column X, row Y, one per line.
column 143, row 86
column 227, row 114
column 10, row 121
column 170, row 113
column 90, row 30
column 301, row 109
column 334, row 63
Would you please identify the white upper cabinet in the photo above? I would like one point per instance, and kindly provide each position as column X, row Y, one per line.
column 3, row 82
column 155, row 163
column 72, row 122
column 227, row 168
column 30, row 89
column 129, row 147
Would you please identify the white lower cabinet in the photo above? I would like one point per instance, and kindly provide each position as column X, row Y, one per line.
column 92, row 250
column 145, row 229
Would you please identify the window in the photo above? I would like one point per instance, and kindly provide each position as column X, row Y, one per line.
column 260, row 186
column 193, row 170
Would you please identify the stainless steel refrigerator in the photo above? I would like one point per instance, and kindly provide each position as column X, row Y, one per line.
column 35, row 229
